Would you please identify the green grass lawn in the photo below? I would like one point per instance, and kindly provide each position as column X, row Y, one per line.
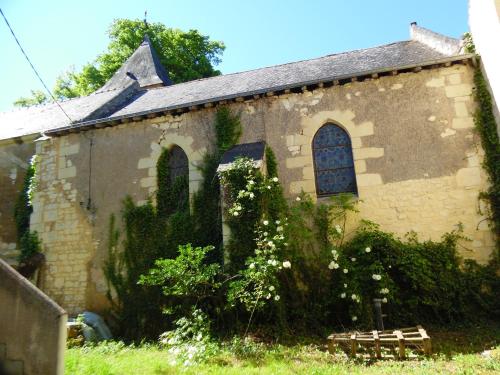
column 457, row 352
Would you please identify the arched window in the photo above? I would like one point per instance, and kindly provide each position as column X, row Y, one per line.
column 177, row 163
column 333, row 161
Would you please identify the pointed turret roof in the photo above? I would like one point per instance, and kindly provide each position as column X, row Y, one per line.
column 143, row 66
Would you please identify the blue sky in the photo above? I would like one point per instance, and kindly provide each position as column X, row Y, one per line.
column 59, row 34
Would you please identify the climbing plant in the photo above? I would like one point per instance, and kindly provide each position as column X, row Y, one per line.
column 28, row 242
column 486, row 126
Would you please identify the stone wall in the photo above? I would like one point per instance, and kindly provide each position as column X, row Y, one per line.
column 14, row 161
column 32, row 327
column 417, row 164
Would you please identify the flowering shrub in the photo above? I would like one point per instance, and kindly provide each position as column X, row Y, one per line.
column 190, row 342
column 259, row 230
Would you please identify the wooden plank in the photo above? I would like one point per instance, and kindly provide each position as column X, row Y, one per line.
column 401, row 340
column 354, row 345
column 378, row 352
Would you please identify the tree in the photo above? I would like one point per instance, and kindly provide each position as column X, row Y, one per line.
column 186, row 56
column 37, row 97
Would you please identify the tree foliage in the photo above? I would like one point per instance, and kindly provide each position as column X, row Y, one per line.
column 187, row 55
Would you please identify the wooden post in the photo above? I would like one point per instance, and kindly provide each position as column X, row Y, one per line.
column 331, row 344
column 401, row 341
column 378, row 353
column 426, row 339
column 354, row 345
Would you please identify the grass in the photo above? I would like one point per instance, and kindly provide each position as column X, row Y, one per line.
column 457, row 352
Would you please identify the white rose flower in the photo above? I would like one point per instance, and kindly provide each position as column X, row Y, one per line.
column 338, row 229
column 368, row 250
column 252, row 266
column 275, row 262
column 235, row 213
column 251, row 182
column 336, row 266
column 269, row 261
column 278, row 222
column 265, row 222
column 271, row 243
column 298, row 199
column 346, row 270
column 251, row 195
column 287, row 264
column 354, row 297
column 342, row 295
column 268, row 296
column 384, row 300
column 354, row 318
column 277, row 298
column 332, row 265
column 345, row 285
column 353, row 259
column 269, row 187
column 271, row 288
column 275, row 179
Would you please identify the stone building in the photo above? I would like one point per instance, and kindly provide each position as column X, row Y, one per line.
column 393, row 124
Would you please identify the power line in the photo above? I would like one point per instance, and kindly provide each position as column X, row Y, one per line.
column 32, row 67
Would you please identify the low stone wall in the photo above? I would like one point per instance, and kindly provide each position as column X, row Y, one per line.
column 32, row 326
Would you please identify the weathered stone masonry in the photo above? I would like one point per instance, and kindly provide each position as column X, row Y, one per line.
column 417, row 166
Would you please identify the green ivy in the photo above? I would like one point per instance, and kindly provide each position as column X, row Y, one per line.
column 27, row 241
column 487, row 129
column 156, row 232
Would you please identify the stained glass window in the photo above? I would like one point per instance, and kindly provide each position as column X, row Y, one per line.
column 333, row 161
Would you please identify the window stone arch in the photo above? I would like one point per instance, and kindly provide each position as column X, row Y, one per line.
column 333, row 161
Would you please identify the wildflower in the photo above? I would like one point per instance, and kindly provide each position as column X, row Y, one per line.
column 269, row 261
column 376, row 277
column 271, row 288
column 268, row 296
column 252, row 266
column 384, row 300
column 278, row 222
column 235, row 213
column 265, row 234
column 298, row 199
column 279, row 229
column 287, row 264
column 345, row 285
column 333, row 265
column 238, row 208
column 334, row 252
column 354, row 318
column 271, row 243
column 277, row 298
column 269, row 187
column 342, row 295
column 346, row 270
column 338, row 229
column 251, row 182
column 368, row 250
column 275, row 262
column 275, row 179
column 353, row 259
column 265, row 222
column 354, row 297
column 251, row 195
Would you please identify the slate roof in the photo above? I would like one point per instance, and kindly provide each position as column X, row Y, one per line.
column 123, row 96
column 254, row 151
column 144, row 66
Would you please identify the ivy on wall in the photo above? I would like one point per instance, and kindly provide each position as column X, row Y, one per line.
column 487, row 129
column 156, row 231
column 28, row 242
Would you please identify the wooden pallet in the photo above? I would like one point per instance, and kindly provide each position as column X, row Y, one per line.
column 383, row 344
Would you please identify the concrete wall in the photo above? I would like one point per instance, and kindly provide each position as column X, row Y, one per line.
column 417, row 161
column 14, row 161
column 484, row 22
column 32, row 327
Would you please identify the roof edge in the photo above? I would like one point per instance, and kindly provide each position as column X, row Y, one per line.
column 79, row 126
column 436, row 41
